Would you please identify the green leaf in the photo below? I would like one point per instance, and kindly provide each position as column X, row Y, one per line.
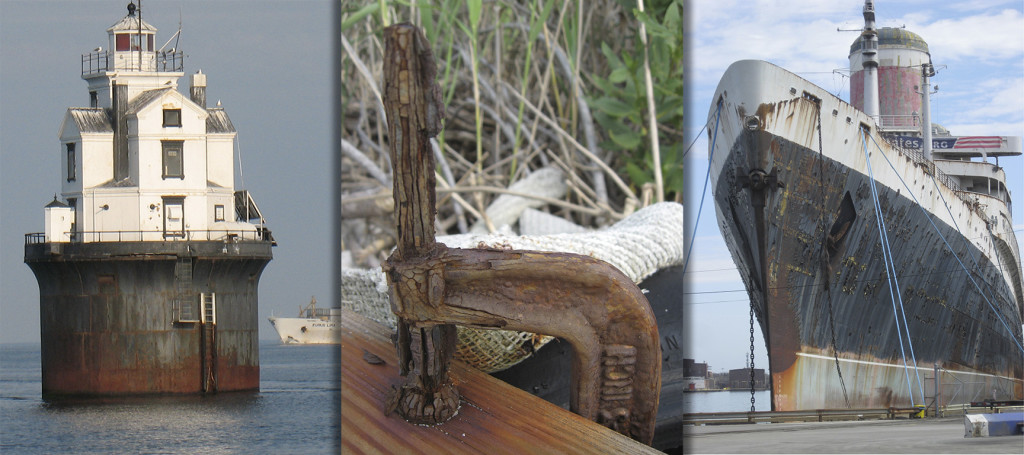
column 359, row 15
column 627, row 140
column 672, row 18
column 669, row 107
column 636, row 175
column 607, row 87
column 539, row 21
column 653, row 27
column 613, row 60
column 620, row 74
column 612, row 106
column 475, row 9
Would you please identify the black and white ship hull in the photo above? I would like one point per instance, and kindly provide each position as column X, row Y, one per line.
column 797, row 211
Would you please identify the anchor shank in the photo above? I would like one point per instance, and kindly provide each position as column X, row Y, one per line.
column 413, row 106
column 414, row 111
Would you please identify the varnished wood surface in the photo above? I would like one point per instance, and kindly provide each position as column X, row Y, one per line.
column 494, row 418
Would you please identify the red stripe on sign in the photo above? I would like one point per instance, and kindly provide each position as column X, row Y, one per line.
column 978, row 142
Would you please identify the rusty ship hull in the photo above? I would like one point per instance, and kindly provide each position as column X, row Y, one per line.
column 797, row 213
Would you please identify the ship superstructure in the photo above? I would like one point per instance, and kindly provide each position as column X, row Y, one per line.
column 877, row 249
column 312, row 326
column 149, row 262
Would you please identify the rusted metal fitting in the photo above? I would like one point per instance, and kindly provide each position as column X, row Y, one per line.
column 606, row 319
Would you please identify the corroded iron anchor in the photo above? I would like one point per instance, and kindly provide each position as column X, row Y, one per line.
column 606, row 319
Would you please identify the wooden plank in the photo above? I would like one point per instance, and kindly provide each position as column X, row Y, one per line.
column 494, row 417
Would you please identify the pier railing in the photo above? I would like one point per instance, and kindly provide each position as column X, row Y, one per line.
column 813, row 415
column 259, row 235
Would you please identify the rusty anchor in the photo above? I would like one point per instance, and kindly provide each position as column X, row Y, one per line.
column 606, row 319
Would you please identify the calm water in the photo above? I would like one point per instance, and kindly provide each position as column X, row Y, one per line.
column 296, row 411
column 726, row 401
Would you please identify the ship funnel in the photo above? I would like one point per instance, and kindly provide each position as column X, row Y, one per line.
column 885, row 72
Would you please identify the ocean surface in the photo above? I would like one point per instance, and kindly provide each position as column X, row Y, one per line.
column 295, row 411
column 726, row 401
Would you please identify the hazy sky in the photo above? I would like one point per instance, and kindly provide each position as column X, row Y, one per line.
column 981, row 93
column 271, row 65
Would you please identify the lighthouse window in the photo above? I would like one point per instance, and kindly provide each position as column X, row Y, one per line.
column 172, row 159
column 218, row 213
column 121, row 41
column 70, row 147
column 172, row 117
column 130, row 42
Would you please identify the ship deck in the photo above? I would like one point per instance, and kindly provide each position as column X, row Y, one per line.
column 494, row 418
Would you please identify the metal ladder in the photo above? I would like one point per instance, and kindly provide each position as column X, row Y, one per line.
column 208, row 341
column 182, row 308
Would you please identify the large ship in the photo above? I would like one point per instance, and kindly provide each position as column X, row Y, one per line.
column 877, row 250
column 313, row 326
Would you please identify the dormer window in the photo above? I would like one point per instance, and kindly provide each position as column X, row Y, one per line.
column 172, row 118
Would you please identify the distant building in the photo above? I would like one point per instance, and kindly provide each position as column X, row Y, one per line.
column 692, row 369
column 695, row 375
column 740, row 378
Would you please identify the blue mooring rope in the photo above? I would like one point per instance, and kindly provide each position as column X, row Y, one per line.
column 889, row 269
column 957, row 257
column 707, row 177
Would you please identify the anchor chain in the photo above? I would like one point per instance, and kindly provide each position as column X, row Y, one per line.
column 825, row 256
column 751, row 356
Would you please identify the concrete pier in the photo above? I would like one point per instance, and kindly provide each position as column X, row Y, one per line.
column 943, row 435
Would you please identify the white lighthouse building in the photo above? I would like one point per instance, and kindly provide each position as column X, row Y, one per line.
column 149, row 268
column 144, row 161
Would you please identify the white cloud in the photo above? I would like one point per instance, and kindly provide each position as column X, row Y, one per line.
column 987, row 37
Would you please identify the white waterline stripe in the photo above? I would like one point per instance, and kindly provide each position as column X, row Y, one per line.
column 865, row 362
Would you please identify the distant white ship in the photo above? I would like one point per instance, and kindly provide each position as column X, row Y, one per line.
column 313, row 326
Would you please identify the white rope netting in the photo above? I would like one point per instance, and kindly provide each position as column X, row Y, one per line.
column 639, row 245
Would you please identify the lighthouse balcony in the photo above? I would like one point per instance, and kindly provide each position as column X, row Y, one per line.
column 97, row 63
column 249, row 234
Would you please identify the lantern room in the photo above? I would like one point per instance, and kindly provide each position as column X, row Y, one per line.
column 125, row 34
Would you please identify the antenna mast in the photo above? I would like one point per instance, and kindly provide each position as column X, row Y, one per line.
column 870, row 53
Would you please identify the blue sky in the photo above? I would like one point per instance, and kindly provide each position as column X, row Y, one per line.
column 979, row 43
column 269, row 62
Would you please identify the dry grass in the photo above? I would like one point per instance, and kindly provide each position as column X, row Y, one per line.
column 517, row 78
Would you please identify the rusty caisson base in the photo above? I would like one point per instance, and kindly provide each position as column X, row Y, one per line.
column 127, row 318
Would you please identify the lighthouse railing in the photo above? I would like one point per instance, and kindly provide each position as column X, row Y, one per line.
column 94, row 63
column 221, row 235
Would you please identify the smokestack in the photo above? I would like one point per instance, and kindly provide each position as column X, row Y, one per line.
column 197, row 90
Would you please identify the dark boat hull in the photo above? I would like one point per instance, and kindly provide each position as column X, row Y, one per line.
column 800, row 223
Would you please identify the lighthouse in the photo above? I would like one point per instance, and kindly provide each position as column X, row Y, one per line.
column 149, row 262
